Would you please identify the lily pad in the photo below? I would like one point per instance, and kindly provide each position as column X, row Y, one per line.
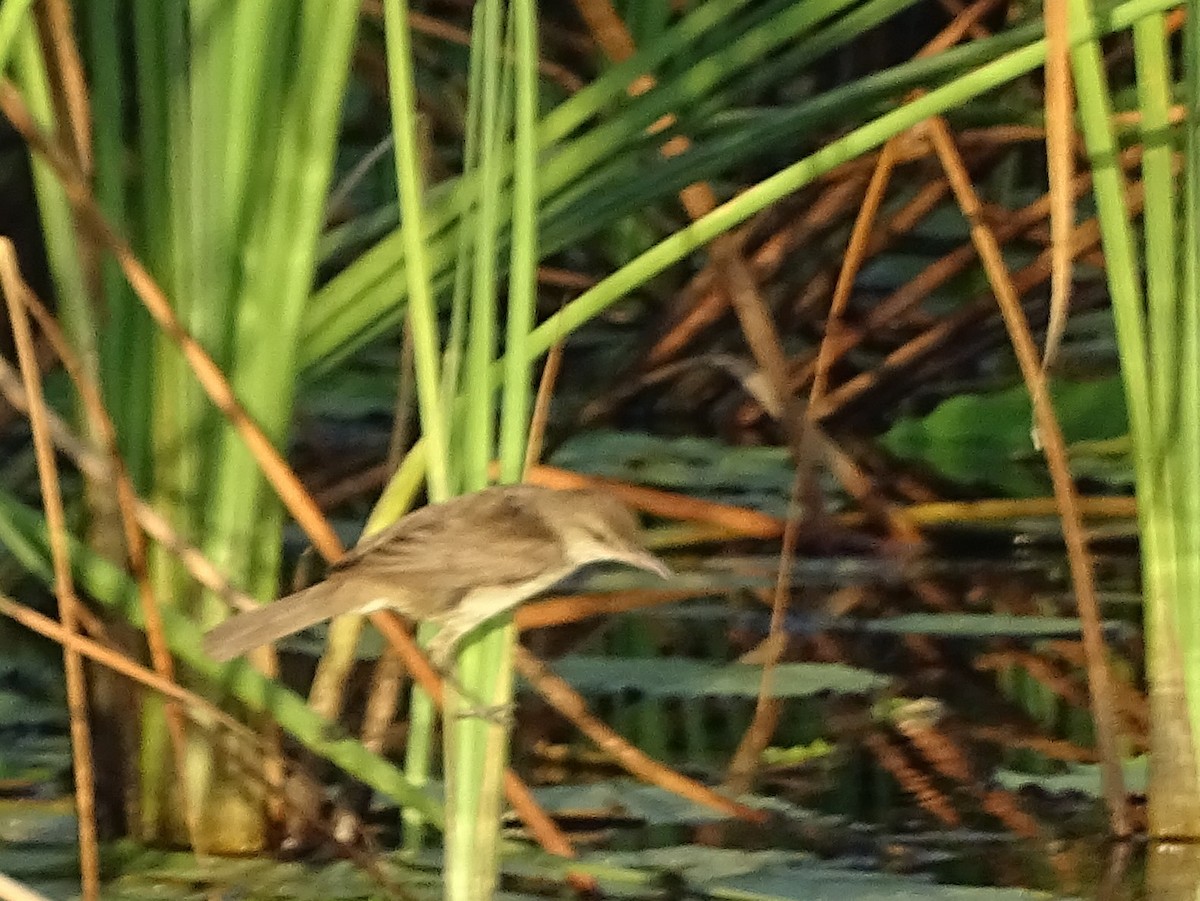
column 650, row 804
column 767, row 875
column 676, row 677
column 985, row 439
column 1082, row 778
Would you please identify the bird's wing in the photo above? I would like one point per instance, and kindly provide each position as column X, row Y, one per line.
column 448, row 546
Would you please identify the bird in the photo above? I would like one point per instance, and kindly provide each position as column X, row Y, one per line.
column 457, row 564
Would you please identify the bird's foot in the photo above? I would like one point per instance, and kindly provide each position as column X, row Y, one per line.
column 475, row 708
column 497, row 714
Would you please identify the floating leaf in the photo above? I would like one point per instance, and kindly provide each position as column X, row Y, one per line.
column 1083, row 778
column 985, row 438
column 676, row 677
column 735, row 873
column 982, row 625
column 649, row 803
column 759, row 477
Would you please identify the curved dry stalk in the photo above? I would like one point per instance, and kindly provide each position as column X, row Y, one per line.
column 68, row 84
column 563, row 698
column 745, row 522
column 1055, row 451
column 94, row 466
column 920, row 347
column 135, row 541
column 1060, row 166
column 859, row 244
column 557, row 611
column 940, row 271
column 856, row 252
column 205, row 713
column 746, row 758
column 64, row 585
column 541, row 407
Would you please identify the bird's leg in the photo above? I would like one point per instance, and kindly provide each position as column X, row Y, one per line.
column 441, row 655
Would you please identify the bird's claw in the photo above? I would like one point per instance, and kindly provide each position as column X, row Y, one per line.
column 474, row 708
column 496, row 714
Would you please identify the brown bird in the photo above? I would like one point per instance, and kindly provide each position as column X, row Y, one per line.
column 456, row 564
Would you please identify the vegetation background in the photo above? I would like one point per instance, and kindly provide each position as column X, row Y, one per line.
column 942, row 253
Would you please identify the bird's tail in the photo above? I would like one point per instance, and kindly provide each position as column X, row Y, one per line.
column 286, row 616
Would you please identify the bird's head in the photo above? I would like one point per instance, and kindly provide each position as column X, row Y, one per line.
column 596, row 528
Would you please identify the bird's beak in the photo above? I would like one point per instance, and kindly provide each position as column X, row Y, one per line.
column 647, row 561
